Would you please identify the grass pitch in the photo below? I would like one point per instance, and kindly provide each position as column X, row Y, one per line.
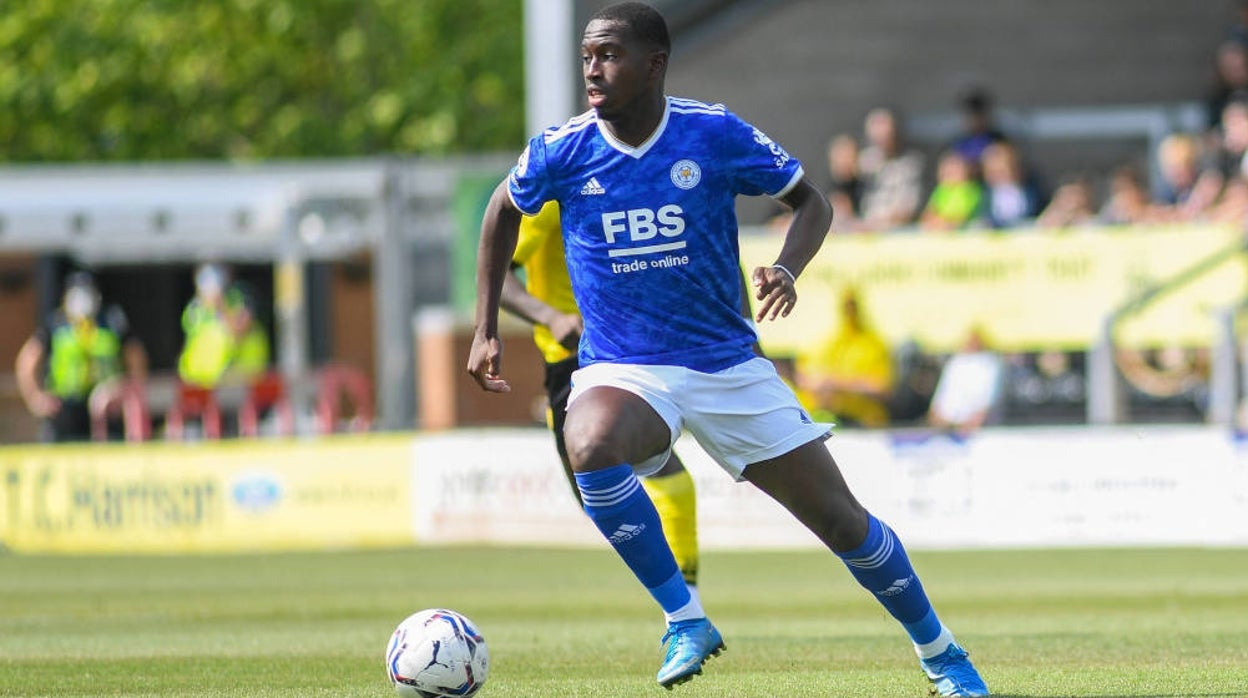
column 1138, row 623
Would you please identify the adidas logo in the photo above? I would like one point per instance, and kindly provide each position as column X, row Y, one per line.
column 625, row 533
column 898, row 586
column 592, row 188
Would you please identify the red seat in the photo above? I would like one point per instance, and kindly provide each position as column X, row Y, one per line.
column 192, row 402
column 267, row 392
column 339, row 383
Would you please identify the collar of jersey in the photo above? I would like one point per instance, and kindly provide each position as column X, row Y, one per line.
column 638, row 151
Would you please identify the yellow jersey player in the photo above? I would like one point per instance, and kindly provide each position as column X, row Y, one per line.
column 545, row 299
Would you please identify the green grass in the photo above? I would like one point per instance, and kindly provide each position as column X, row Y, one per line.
column 1138, row 623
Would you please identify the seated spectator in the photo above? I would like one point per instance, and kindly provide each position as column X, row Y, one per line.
column 1229, row 156
column 1231, row 207
column 957, row 200
column 1128, row 202
column 849, row 378
column 968, row 393
column 1011, row 199
column 892, row 175
column 979, row 128
column 1226, row 156
column 1230, row 77
column 845, row 190
column 1182, row 194
column 1070, row 207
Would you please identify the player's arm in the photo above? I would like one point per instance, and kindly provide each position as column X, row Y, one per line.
column 516, row 299
column 500, row 227
column 812, row 217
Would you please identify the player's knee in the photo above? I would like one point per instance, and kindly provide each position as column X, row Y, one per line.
column 592, row 447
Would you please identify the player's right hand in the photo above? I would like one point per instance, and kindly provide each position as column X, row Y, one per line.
column 485, row 359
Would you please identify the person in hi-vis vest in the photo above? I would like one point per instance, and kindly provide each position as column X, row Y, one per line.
column 83, row 347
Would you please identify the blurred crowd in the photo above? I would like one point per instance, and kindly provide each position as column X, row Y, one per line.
column 983, row 180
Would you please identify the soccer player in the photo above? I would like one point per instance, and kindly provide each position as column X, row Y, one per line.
column 646, row 184
column 545, row 299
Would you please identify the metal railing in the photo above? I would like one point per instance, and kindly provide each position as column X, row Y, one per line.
column 1107, row 390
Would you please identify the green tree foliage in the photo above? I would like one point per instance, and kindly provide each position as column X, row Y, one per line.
column 251, row 79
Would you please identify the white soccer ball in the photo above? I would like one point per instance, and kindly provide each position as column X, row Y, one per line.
column 437, row 653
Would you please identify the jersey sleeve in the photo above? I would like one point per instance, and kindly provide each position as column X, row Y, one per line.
column 760, row 165
column 529, row 181
column 534, row 230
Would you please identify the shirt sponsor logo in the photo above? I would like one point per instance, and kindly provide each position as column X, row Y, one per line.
column 781, row 157
column 642, row 224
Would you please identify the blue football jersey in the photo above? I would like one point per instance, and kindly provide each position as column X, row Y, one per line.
column 650, row 232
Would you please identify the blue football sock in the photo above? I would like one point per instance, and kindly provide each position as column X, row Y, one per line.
column 881, row 566
column 619, row 507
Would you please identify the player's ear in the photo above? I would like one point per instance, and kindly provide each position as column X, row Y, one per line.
column 658, row 64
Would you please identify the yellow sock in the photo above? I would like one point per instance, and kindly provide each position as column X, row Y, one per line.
column 674, row 498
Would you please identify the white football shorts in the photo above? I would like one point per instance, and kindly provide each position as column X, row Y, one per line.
column 740, row 415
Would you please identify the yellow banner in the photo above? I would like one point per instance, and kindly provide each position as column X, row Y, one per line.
column 1028, row 290
column 348, row 491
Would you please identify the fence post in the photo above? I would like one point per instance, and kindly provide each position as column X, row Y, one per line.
column 1106, row 398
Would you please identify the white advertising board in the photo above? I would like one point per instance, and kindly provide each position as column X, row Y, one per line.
column 1167, row 485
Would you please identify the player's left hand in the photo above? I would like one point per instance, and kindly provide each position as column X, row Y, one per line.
column 776, row 291
column 485, row 359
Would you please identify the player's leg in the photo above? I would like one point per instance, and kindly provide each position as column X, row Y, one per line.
column 558, row 385
column 808, row 483
column 671, row 489
column 607, row 430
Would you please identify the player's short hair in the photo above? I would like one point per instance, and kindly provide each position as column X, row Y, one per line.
column 642, row 21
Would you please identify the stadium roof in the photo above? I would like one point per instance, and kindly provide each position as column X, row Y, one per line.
column 166, row 212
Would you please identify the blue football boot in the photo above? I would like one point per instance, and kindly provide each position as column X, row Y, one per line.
column 953, row 674
column 689, row 644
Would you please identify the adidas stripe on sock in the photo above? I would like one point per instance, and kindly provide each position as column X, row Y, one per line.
column 882, row 567
column 619, row 507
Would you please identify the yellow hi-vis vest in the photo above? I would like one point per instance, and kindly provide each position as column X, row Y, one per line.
column 82, row 356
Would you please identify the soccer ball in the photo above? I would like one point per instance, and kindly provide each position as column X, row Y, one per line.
column 436, row 653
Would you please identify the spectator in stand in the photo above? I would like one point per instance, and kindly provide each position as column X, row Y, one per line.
column 1011, row 199
column 968, row 393
column 1128, row 202
column 1230, row 78
column 979, row 128
column 1182, row 193
column 1071, row 205
column 1239, row 29
column 1230, row 146
column 849, row 377
column 1232, row 206
column 957, row 200
column 1225, row 155
column 845, row 190
column 892, row 175
column 83, row 348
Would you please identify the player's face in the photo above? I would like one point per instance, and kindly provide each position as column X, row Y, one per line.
column 618, row 70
